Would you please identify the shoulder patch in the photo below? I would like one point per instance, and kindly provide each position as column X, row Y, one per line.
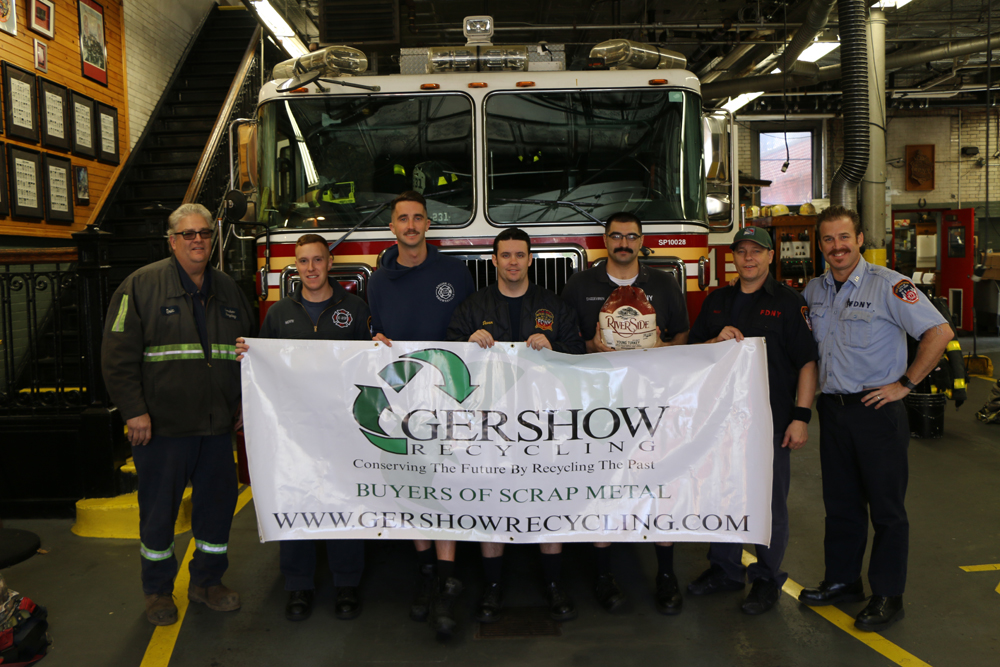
column 906, row 291
column 544, row 319
column 805, row 316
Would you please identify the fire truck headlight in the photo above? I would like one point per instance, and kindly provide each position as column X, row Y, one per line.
column 478, row 27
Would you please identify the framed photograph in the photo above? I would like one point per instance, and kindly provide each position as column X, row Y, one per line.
column 4, row 207
column 81, row 114
column 41, row 56
column 24, row 171
column 42, row 17
column 106, row 125
column 53, row 105
column 93, row 52
column 8, row 16
column 81, row 183
column 20, row 103
column 58, row 188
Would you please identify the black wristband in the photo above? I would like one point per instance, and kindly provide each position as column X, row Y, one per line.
column 802, row 414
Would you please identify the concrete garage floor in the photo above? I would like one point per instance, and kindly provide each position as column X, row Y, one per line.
column 91, row 588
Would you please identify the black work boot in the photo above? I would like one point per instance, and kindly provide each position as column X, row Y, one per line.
column 443, row 618
column 426, row 585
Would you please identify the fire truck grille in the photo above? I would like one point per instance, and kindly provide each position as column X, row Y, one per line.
column 551, row 267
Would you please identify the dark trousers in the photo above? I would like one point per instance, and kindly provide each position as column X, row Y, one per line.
column 729, row 556
column 165, row 466
column 346, row 559
column 865, row 470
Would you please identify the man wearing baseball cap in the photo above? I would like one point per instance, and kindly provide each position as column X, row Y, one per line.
column 759, row 306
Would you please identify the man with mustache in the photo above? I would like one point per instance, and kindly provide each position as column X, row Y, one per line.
column 586, row 293
column 758, row 305
column 861, row 314
column 412, row 296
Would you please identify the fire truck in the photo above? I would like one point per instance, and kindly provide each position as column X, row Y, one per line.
column 493, row 136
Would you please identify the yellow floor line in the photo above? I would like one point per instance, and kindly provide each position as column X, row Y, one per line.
column 161, row 645
column 983, row 377
column 846, row 623
column 981, row 568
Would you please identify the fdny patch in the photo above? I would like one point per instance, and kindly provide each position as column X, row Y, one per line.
column 342, row 318
column 544, row 319
column 231, row 313
column 805, row 316
column 905, row 291
column 444, row 292
column 170, row 310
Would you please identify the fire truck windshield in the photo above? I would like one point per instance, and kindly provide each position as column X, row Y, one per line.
column 592, row 153
column 330, row 161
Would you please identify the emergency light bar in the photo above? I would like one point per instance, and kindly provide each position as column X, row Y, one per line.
column 487, row 58
column 329, row 62
column 625, row 53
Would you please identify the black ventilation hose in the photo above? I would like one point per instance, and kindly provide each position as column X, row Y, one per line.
column 854, row 80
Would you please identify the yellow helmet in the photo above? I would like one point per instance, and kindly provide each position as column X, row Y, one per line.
column 779, row 209
column 807, row 209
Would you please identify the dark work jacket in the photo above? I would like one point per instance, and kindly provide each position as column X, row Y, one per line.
column 347, row 318
column 541, row 312
column 779, row 315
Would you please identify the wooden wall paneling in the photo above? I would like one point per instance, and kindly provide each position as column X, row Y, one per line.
column 65, row 69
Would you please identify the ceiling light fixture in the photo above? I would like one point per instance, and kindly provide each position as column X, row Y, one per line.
column 279, row 28
column 817, row 50
column 890, row 4
column 737, row 103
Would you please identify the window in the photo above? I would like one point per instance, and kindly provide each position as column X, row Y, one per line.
column 803, row 179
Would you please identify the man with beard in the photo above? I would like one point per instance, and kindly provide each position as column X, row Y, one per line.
column 758, row 305
column 586, row 293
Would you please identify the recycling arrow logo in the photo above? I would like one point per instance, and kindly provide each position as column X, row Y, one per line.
column 371, row 402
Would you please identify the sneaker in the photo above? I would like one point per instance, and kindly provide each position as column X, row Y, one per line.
column 216, row 598
column 561, row 605
column 490, row 604
column 161, row 610
column 608, row 594
column 763, row 595
column 443, row 618
column 426, row 584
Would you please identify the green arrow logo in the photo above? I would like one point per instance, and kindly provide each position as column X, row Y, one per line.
column 372, row 402
column 457, row 380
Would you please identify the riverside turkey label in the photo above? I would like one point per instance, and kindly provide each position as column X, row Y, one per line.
column 628, row 320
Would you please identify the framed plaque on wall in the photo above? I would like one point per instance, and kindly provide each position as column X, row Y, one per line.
column 4, row 206
column 58, row 188
column 24, row 171
column 81, row 113
column 53, row 104
column 93, row 52
column 20, row 103
column 106, row 125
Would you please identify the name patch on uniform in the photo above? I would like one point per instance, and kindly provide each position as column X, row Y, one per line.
column 905, row 291
column 770, row 313
column 170, row 310
column 289, row 321
column 487, row 323
column 544, row 319
column 231, row 313
column 342, row 318
column 805, row 316
column 444, row 292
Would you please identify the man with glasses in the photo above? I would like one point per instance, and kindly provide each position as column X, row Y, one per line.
column 758, row 305
column 169, row 363
column 586, row 293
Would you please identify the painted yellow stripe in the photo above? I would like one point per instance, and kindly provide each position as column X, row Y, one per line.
column 846, row 623
column 981, row 568
column 984, row 377
column 161, row 645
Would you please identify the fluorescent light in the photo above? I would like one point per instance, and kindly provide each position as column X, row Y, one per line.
column 737, row 103
column 890, row 4
column 817, row 50
column 279, row 28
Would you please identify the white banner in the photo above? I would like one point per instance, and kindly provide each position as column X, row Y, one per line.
column 449, row 441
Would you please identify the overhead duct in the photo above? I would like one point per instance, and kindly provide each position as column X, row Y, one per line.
column 800, row 74
column 854, row 81
column 816, row 17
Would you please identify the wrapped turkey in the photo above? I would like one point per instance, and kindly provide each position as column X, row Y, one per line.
column 628, row 320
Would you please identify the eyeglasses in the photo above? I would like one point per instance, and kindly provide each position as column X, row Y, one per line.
column 618, row 236
column 189, row 234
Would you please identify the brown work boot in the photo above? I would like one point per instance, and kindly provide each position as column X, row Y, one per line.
column 216, row 598
column 161, row 610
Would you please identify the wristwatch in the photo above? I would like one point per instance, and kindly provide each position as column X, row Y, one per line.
column 906, row 382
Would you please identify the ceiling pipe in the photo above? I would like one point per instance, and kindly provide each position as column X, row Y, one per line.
column 799, row 74
column 816, row 18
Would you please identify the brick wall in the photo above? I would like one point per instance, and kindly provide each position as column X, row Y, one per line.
column 156, row 35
